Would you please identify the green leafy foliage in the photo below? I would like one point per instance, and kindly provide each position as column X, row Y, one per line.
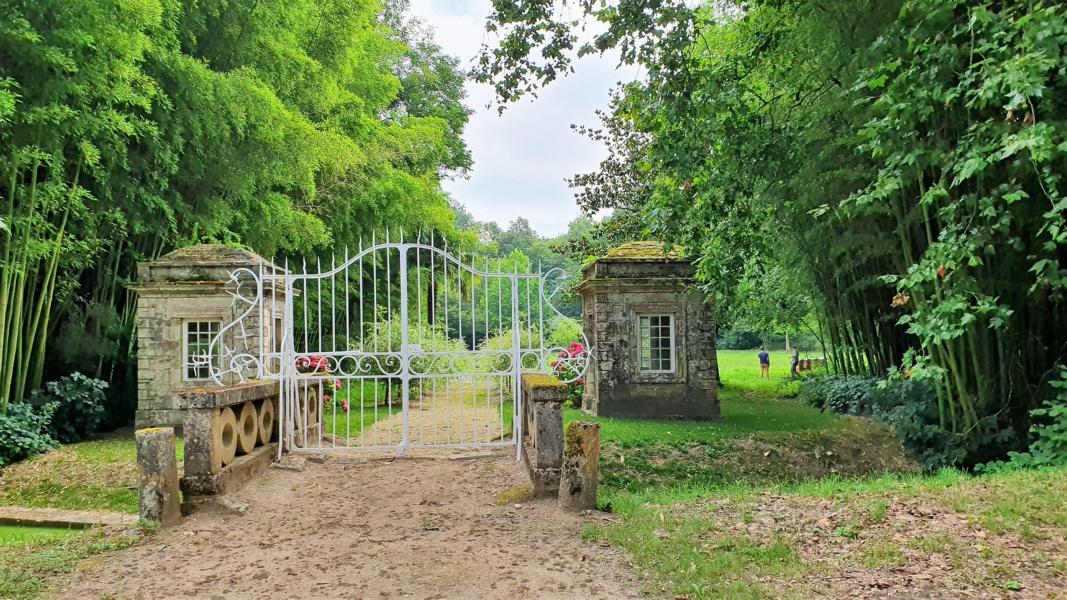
column 1048, row 431
column 77, row 403
column 24, row 432
column 886, row 173
column 130, row 129
column 909, row 407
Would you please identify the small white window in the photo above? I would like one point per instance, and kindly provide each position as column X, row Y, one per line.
column 657, row 343
column 198, row 336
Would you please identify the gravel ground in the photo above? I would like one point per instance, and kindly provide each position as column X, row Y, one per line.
column 360, row 527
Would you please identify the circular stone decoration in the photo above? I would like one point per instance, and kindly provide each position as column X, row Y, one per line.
column 266, row 421
column 226, row 436
column 247, row 428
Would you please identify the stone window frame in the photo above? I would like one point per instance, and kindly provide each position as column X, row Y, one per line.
column 185, row 322
column 677, row 312
column 672, row 343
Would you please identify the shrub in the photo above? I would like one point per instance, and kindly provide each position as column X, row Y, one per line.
column 738, row 339
column 78, row 406
column 1048, row 431
column 567, row 368
column 24, row 431
column 563, row 331
column 908, row 406
column 849, row 395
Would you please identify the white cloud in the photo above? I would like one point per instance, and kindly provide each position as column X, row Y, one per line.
column 522, row 158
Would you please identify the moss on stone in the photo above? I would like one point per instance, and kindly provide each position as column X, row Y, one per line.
column 538, row 380
column 645, row 250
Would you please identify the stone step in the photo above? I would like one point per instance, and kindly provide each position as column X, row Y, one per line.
column 58, row 517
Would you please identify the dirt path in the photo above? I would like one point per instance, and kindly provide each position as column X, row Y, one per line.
column 467, row 413
column 369, row 528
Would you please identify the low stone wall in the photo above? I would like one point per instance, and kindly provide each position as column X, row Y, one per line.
column 542, row 443
column 229, row 436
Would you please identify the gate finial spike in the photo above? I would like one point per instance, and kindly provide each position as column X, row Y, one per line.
column 431, row 237
column 387, row 235
column 401, row 234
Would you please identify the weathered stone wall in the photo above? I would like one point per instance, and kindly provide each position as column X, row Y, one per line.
column 615, row 292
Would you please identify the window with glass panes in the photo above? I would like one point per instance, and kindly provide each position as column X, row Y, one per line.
column 198, row 336
column 657, row 343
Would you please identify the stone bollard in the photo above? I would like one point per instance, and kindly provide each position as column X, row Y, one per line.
column 157, row 480
column 581, row 455
column 542, row 443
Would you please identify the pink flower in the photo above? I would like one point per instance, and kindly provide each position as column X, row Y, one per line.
column 563, row 354
column 580, row 380
column 337, row 384
column 344, row 405
column 555, row 362
column 325, row 398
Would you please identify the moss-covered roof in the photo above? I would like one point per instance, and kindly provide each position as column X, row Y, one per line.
column 643, row 251
column 213, row 254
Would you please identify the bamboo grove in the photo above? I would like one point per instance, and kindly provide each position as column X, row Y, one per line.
column 896, row 166
column 128, row 129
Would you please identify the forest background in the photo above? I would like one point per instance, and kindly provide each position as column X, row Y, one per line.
column 883, row 176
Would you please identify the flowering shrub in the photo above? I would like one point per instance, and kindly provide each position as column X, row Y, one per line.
column 317, row 363
column 567, row 368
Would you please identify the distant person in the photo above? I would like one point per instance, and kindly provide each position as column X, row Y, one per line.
column 794, row 362
column 764, row 363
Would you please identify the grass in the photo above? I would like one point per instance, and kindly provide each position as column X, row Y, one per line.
column 28, row 572
column 763, row 435
column 21, row 535
column 699, row 526
column 93, row 475
column 748, row 405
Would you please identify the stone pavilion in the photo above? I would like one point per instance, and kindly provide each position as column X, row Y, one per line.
column 652, row 333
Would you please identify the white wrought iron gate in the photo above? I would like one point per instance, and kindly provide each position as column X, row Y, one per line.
column 401, row 344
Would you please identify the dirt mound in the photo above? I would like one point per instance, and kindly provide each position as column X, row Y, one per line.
column 859, row 447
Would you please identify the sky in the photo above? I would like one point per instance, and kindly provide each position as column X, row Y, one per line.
column 523, row 157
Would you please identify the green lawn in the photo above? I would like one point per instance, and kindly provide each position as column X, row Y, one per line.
column 34, row 559
column 20, row 535
column 95, row 475
column 733, row 509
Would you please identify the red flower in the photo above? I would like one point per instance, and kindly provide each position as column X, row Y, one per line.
column 554, row 363
column 336, row 384
column 563, row 354
column 580, row 380
column 344, row 405
column 325, row 398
